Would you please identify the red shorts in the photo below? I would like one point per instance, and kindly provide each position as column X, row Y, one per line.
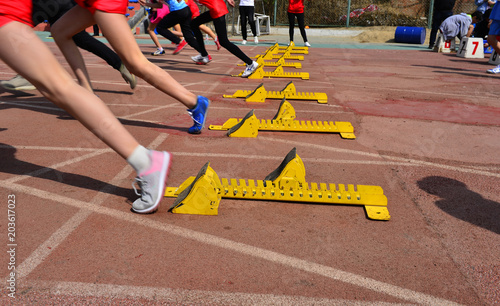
column 217, row 8
column 107, row 6
column 195, row 10
column 20, row 11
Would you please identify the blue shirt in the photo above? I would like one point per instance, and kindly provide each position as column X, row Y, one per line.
column 495, row 12
column 175, row 6
column 482, row 5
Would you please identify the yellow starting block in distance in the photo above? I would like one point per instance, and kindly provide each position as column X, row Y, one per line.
column 260, row 94
column 286, row 183
column 272, row 53
column 293, row 49
column 249, row 126
column 259, row 73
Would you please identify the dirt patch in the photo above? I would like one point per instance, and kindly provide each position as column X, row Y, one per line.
column 376, row 35
column 380, row 35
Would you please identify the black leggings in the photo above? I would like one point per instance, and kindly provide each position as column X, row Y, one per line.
column 183, row 18
column 247, row 11
column 85, row 41
column 300, row 21
column 221, row 30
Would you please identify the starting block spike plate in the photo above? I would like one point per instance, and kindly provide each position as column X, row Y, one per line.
column 259, row 73
column 289, row 92
column 250, row 125
column 199, row 196
column 286, row 183
column 281, row 61
column 293, row 49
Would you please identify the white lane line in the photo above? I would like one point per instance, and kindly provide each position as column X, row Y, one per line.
column 147, row 111
column 438, row 93
column 393, row 158
column 398, row 161
column 49, row 245
column 274, row 257
column 183, row 296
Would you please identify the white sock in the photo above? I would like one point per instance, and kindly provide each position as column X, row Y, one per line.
column 139, row 159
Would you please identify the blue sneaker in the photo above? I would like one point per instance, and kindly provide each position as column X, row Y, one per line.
column 199, row 115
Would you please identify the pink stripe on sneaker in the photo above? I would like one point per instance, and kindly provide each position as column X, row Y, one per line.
column 156, row 163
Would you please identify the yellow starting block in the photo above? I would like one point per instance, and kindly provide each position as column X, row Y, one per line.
column 249, row 126
column 271, row 54
column 280, row 62
column 199, row 196
column 260, row 94
column 292, row 48
column 286, row 183
column 259, row 73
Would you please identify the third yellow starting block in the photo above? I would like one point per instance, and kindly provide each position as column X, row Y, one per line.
column 284, row 120
column 260, row 94
column 201, row 195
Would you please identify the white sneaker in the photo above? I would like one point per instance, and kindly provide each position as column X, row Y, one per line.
column 494, row 70
column 158, row 52
column 152, row 183
column 307, row 44
column 17, row 83
column 201, row 60
column 256, row 40
column 243, row 42
column 250, row 69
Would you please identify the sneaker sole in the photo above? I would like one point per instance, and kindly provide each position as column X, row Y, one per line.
column 19, row 88
column 166, row 169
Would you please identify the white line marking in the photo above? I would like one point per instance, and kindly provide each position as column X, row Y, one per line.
column 46, row 248
column 274, row 257
column 147, row 111
column 394, row 158
column 183, row 296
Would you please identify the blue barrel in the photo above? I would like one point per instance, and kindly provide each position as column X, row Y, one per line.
column 410, row 35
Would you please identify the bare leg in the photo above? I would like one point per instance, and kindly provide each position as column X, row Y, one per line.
column 152, row 34
column 494, row 43
column 42, row 69
column 63, row 36
column 207, row 30
column 177, row 31
column 117, row 31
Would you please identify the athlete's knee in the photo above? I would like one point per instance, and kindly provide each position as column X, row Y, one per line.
column 137, row 66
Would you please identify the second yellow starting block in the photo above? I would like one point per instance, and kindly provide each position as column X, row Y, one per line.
column 284, row 120
column 259, row 73
column 201, row 195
